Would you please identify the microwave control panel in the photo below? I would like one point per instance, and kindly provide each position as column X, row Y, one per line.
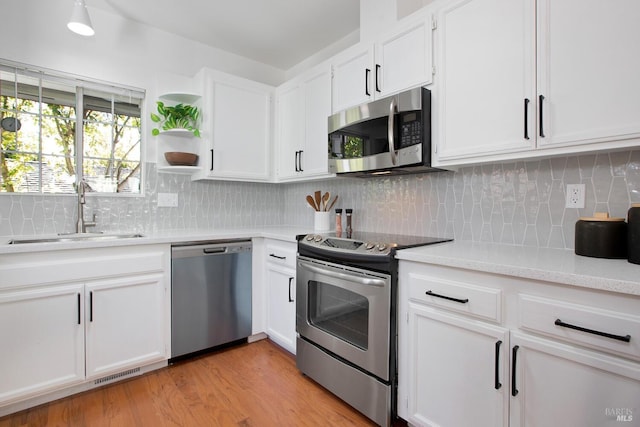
column 410, row 129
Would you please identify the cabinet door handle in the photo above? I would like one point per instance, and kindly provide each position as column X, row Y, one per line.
column 91, row 306
column 625, row 338
column 514, row 352
column 377, row 78
column 277, row 256
column 290, row 280
column 295, row 161
column 300, row 161
column 79, row 319
column 497, row 383
column 211, row 159
column 461, row 301
column 367, row 71
column 526, row 118
column 541, row 99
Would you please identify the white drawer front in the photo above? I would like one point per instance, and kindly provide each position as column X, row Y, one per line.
column 282, row 254
column 478, row 301
column 589, row 326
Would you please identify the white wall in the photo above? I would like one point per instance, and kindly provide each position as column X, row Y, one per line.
column 122, row 51
column 376, row 16
column 34, row 32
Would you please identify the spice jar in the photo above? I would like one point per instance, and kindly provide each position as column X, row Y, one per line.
column 349, row 213
column 338, row 222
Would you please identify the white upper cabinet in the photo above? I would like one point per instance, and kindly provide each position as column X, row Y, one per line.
column 588, row 72
column 236, row 128
column 303, row 106
column 398, row 60
column 404, row 57
column 522, row 78
column 485, row 74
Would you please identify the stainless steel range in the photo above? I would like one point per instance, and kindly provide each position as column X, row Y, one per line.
column 346, row 316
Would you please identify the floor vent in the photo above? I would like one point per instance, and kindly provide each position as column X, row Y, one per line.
column 116, row 376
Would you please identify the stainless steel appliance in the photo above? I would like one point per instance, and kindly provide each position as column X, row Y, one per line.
column 390, row 135
column 346, row 290
column 210, row 295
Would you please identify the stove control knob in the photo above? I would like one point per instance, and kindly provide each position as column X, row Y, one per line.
column 309, row 237
column 370, row 245
column 382, row 246
column 317, row 239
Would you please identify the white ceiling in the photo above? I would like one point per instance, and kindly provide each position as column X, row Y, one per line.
column 280, row 33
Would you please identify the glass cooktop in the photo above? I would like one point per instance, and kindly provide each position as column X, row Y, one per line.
column 366, row 242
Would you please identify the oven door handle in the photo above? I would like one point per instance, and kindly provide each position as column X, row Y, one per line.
column 361, row 280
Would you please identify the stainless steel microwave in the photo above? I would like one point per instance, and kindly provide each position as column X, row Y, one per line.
column 387, row 136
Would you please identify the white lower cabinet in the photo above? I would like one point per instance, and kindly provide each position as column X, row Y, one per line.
column 559, row 384
column 280, row 274
column 558, row 355
column 122, row 327
column 457, row 370
column 42, row 336
column 80, row 318
column 281, row 309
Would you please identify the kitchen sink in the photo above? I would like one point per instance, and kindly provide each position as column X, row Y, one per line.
column 76, row 237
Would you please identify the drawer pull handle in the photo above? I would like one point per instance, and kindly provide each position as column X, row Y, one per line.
column 625, row 338
column 514, row 354
column 498, row 384
column 278, row 257
column 461, row 301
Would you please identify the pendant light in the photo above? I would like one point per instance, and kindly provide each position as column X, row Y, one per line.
column 80, row 23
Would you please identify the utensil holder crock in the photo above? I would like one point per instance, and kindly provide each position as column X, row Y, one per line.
column 322, row 221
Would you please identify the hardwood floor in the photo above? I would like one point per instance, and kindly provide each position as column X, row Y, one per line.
column 254, row 384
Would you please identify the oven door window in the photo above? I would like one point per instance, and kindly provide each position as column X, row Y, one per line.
column 339, row 312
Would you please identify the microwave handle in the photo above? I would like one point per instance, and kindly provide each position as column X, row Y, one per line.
column 393, row 109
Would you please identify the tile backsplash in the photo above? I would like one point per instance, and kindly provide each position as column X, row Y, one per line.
column 519, row 203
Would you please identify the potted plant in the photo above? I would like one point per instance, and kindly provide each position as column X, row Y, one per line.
column 180, row 116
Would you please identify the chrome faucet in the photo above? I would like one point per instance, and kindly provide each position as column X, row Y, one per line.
column 81, row 225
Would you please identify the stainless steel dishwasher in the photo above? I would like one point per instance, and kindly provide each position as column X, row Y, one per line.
column 210, row 295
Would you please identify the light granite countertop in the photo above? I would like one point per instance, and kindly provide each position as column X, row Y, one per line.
column 285, row 233
column 551, row 265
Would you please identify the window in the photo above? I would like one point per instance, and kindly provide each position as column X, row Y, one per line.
column 57, row 129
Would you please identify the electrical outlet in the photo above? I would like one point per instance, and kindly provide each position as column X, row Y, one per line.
column 168, row 200
column 575, row 196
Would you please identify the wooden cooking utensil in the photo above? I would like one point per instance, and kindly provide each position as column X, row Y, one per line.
column 333, row 202
column 325, row 199
column 317, row 197
column 312, row 203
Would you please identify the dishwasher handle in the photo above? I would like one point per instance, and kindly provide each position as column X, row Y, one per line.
column 210, row 249
column 217, row 250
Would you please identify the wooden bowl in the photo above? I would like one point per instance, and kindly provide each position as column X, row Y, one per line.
column 176, row 158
